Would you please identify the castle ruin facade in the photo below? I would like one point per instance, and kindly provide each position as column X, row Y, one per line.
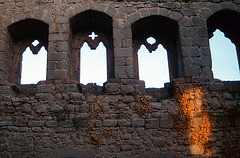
column 195, row 115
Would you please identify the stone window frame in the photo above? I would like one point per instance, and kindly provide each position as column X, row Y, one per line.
column 80, row 35
column 22, row 34
column 166, row 32
column 226, row 21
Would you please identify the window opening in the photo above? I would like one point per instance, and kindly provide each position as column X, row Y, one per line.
column 153, row 67
column 224, row 57
column 34, row 66
column 93, row 36
column 35, row 43
column 151, row 40
column 93, row 66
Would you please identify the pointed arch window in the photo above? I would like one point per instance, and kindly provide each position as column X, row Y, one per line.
column 165, row 32
column 94, row 29
column 224, row 57
column 93, row 63
column 34, row 64
column 153, row 65
column 225, row 24
column 28, row 36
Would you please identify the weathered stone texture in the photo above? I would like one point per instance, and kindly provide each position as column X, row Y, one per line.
column 60, row 117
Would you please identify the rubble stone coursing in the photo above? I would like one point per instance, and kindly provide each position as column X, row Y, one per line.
column 61, row 118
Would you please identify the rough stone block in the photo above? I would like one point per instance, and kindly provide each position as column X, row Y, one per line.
column 120, row 61
column 5, row 90
column 214, row 103
column 167, row 155
column 133, row 17
column 123, row 155
column 51, row 123
column 140, row 88
column 62, row 47
column 198, row 31
column 192, row 71
column 128, row 99
column 111, row 11
column 62, row 20
column 96, row 123
column 57, row 56
column 124, row 123
column 126, row 136
column 58, row 37
column 207, row 71
column 56, row 108
column 184, row 31
column 156, row 105
column 127, row 33
column 144, row 12
column 109, row 123
column 216, row 86
column 166, row 122
column 191, row 52
column 112, row 88
column 127, row 89
column 184, row 22
column 36, row 123
column 186, row 42
column 44, row 89
column 124, row 72
column 127, row 43
column 72, row 1
column 163, row 11
column 123, row 52
column 203, row 62
column 200, row 41
column 71, row 88
column 71, row 152
column 57, row 74
column 13, row 129
column 137, row 122
column 152, row 123
column 5, row 123
column 158, row 142
column 80, row 122
column 197, row 21
column 187, row 61
column 176, row 16
column 205, row 51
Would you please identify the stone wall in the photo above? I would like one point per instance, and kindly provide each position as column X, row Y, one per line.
column 194, row 115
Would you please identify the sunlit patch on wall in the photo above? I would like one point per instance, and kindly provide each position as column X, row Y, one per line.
column 194, row 120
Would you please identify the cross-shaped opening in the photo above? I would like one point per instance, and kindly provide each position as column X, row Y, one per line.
column 93, row 36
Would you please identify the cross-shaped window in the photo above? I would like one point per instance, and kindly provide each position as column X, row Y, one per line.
column 93, row 36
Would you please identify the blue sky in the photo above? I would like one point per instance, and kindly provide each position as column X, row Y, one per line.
column 153, row 67
column 224, row 58
column 34, row 66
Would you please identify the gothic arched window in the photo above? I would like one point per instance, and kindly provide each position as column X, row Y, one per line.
column 165, row 32
column 25, row 34
column 225, row 62
column 91, row 28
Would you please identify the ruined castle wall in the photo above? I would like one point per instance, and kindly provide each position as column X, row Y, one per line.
column 192, row 116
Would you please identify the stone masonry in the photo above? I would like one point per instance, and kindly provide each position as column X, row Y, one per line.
column 195, row 115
